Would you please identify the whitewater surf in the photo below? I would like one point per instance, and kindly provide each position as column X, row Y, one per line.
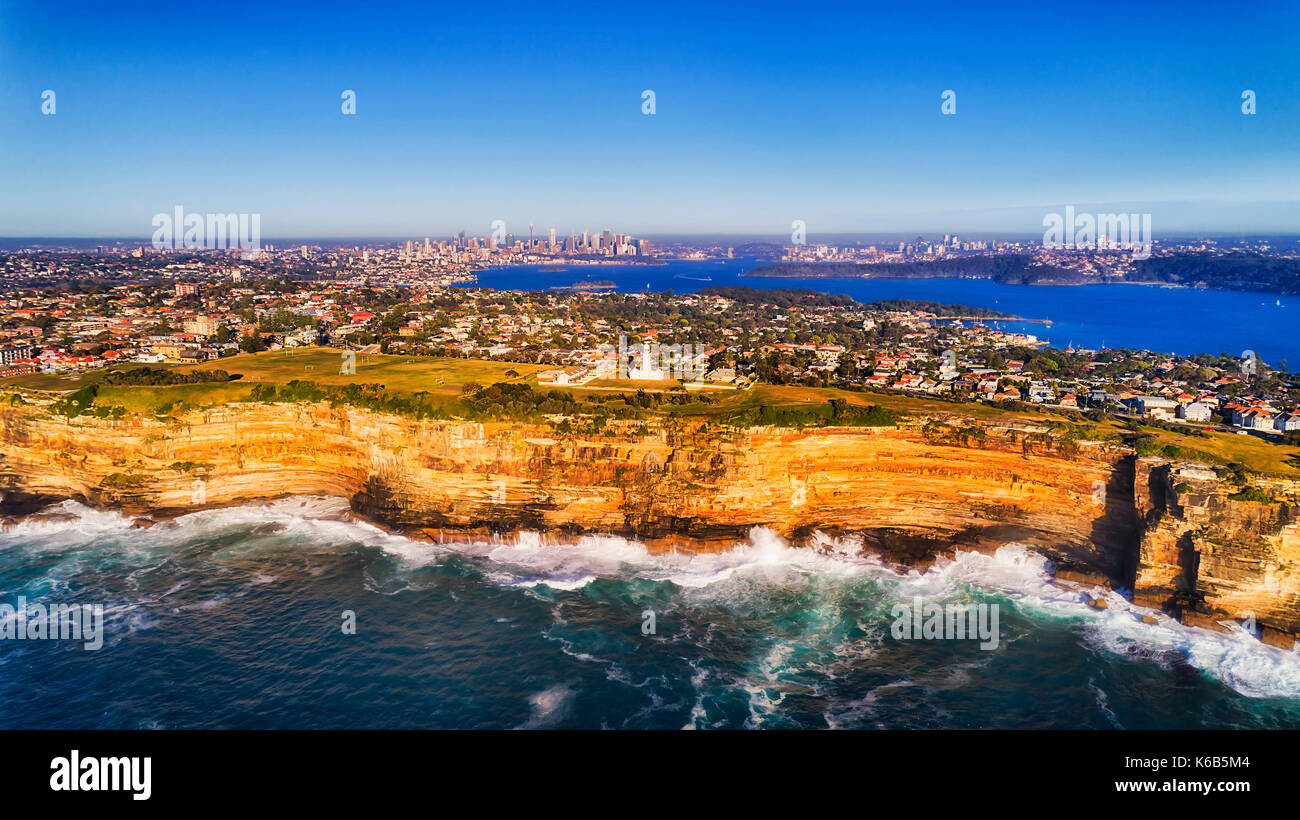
column 521, row 631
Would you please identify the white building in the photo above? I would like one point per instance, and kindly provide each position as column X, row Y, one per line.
column 1154, row 406
column 1194, row 411
column 646, row 369
column 1286, row 422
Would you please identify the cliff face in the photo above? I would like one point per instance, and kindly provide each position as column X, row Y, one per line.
column 660, row 484
column 1210, row 557
column 684, row 486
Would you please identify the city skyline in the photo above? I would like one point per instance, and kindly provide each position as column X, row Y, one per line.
column 463, row 118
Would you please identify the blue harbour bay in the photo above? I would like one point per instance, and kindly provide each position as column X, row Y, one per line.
column 1163, row 319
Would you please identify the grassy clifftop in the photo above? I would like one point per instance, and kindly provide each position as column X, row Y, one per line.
column 432, row 387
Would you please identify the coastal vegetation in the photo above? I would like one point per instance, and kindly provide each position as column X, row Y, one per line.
column 778, row 297
column 1008, row 269
column 1235, row 270
column 153, row 376
column 1238, row 270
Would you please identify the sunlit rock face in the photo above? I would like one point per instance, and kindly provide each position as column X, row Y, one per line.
column 1167, row 531
column 1211, row 557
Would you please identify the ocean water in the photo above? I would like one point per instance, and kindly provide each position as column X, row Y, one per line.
column 1168, row 320
column 233, row 618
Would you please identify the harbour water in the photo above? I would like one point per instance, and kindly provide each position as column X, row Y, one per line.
column 1163, row 319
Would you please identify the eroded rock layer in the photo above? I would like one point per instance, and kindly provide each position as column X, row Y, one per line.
column 1168, row 531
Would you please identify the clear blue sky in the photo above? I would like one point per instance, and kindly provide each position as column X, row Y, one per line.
column 476, row 111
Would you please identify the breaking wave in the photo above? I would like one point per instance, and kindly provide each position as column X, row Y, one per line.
column 812, row 617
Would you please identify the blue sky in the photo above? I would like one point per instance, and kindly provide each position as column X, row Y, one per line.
column 765, row 114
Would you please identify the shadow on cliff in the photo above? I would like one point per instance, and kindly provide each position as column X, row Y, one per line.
column 1116, row 532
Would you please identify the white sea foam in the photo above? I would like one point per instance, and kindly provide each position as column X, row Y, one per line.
column 698, row 713
column 549, row 706
column 763, row 560
column 1013, row 572
column 1236, row 659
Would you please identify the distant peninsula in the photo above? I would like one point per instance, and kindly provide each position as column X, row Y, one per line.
column 789, row 297
column 1219, row 271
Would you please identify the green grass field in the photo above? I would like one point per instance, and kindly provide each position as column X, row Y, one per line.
column 1256, row 454
column 322, row 365
column 406, row 374
column 792, row 396
column 146, row 400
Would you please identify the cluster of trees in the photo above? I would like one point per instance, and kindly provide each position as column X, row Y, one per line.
column 836, row 412
column 780, row 297
column 938, row 308
column 504, row 400
column 648, row 401
column 1148, row 445
column 75, row 404
column 158, row 376
column 283, row 320
column 374, row 397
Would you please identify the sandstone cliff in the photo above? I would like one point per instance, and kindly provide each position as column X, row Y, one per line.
column 1097, row 510
column 1208, row 557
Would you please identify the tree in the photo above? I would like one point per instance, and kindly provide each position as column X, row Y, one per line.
column 252, row 343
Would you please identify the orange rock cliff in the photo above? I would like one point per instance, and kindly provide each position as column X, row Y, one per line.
column 1168, row 531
